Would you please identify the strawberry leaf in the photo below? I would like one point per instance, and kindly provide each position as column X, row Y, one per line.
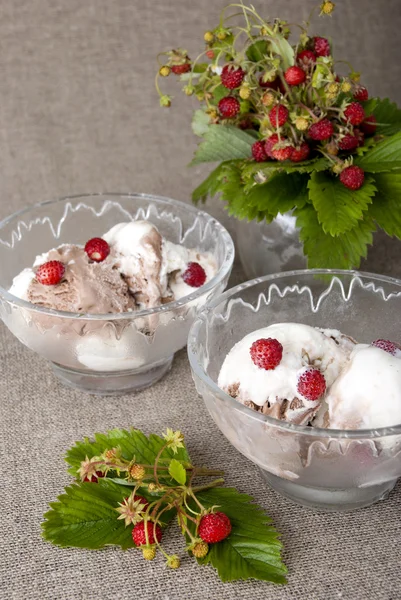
column 386, row 209
column 338, row 208
column 343, row 251
column 200, row 123
column 232, row 192
column 223, row 142
column 386, row 156
column 257, row 51
column 253, row 548
column 387, row 114
column 210, row 186
column 177, row 471
column 281, row 193
column 280, row 46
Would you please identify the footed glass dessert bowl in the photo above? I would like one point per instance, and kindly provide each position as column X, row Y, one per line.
column 326, row 469
column 117, row 352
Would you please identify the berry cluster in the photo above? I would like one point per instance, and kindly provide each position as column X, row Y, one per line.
column 292, row 96
column 201, row 526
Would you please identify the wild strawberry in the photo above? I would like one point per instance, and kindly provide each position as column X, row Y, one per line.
column 180, row 69
column 137, row 472
column 164, row 71
column 194, row 275
column 50, row 273
column 301, row 123
column 306, row 58
column 97, row 249
column 321, row 130
column 139, row 535
column 229, row 107
column 258, row 151
column 361, row 94
column 278, row 115
column 387, row 346
column 284, row 153
column 368, row 125
column 266, row 353
column 311, row 384
column 354, row 113
column 294, row 75
column 270, row 142
column 214, row 527
column 321, row 46
column 348, row 142
column 173, row 562
column 352, row 177
column 94, row 477
column 232, row 77
column 200, row 549
column 210, row 54
column 300, row 153
column 149, row 552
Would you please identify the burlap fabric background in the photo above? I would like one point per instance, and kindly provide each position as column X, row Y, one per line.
column 78, row 113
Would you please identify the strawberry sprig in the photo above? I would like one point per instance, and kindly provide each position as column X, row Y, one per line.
column 129, row 487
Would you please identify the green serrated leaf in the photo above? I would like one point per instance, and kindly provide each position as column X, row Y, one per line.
column 267, row 168
column 256, row 51
column 85, row 517
column 338, row 208
column 219, row 92
column 281, row 193
column 232, row 192
column 208, row 187
column 200, row 123
column 132, row 443
column 386, row 156
column 386, row 209
column 387, row 114
column 222, row 143
column 177, row 471
column 280, row 46
column 253, row 548
column 325, row 251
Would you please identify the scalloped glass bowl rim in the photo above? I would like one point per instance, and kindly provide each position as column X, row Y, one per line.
column 171, row 306
column 248, row 412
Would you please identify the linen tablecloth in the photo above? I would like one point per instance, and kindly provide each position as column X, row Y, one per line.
column 77, row 114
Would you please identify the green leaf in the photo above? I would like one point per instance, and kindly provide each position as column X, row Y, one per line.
column 267, row 168
column 200, row 123
column 280, row 46
column 85, row 517
column 386, row 156
column 325, row 251
column 223, row 142
column 210, row 186
column 177, row 471
column 280, row 193
column 386, row 209
column 256, row 51
column 253, row 548
column 387, row 113
column 132, row 443
column 338, row 208
column 232, row 192
column 219, row 92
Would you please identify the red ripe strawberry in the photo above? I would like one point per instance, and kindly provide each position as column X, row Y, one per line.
column 214, row 527
column 270, row 142
column 50, row 273
column 229, row 107
column 180, row 69
column 232, row 77
column 348, row 142
column 306, row 58
column 352, row 177
column 361, row 94
column 300, row 153
column 354, row 113
column 94, row 478
column 311, row 384
column 387, row 346
column 266, row 353
column 278, row 115
column 97, row 249
column 139, row 536
column 294, row 75
column 194, row 275
column 284, row 153
column 321, row 46
column 258, row 151
column 321, row 130
column 368, row 126
column 210, row 54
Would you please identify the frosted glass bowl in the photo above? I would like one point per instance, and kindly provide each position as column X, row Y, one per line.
column 112, row 353
column 326, row 469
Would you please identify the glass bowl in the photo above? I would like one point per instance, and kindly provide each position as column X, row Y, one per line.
column 326, row 469
column 109, row 353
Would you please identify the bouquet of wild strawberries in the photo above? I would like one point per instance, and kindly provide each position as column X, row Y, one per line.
column 290, row 132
